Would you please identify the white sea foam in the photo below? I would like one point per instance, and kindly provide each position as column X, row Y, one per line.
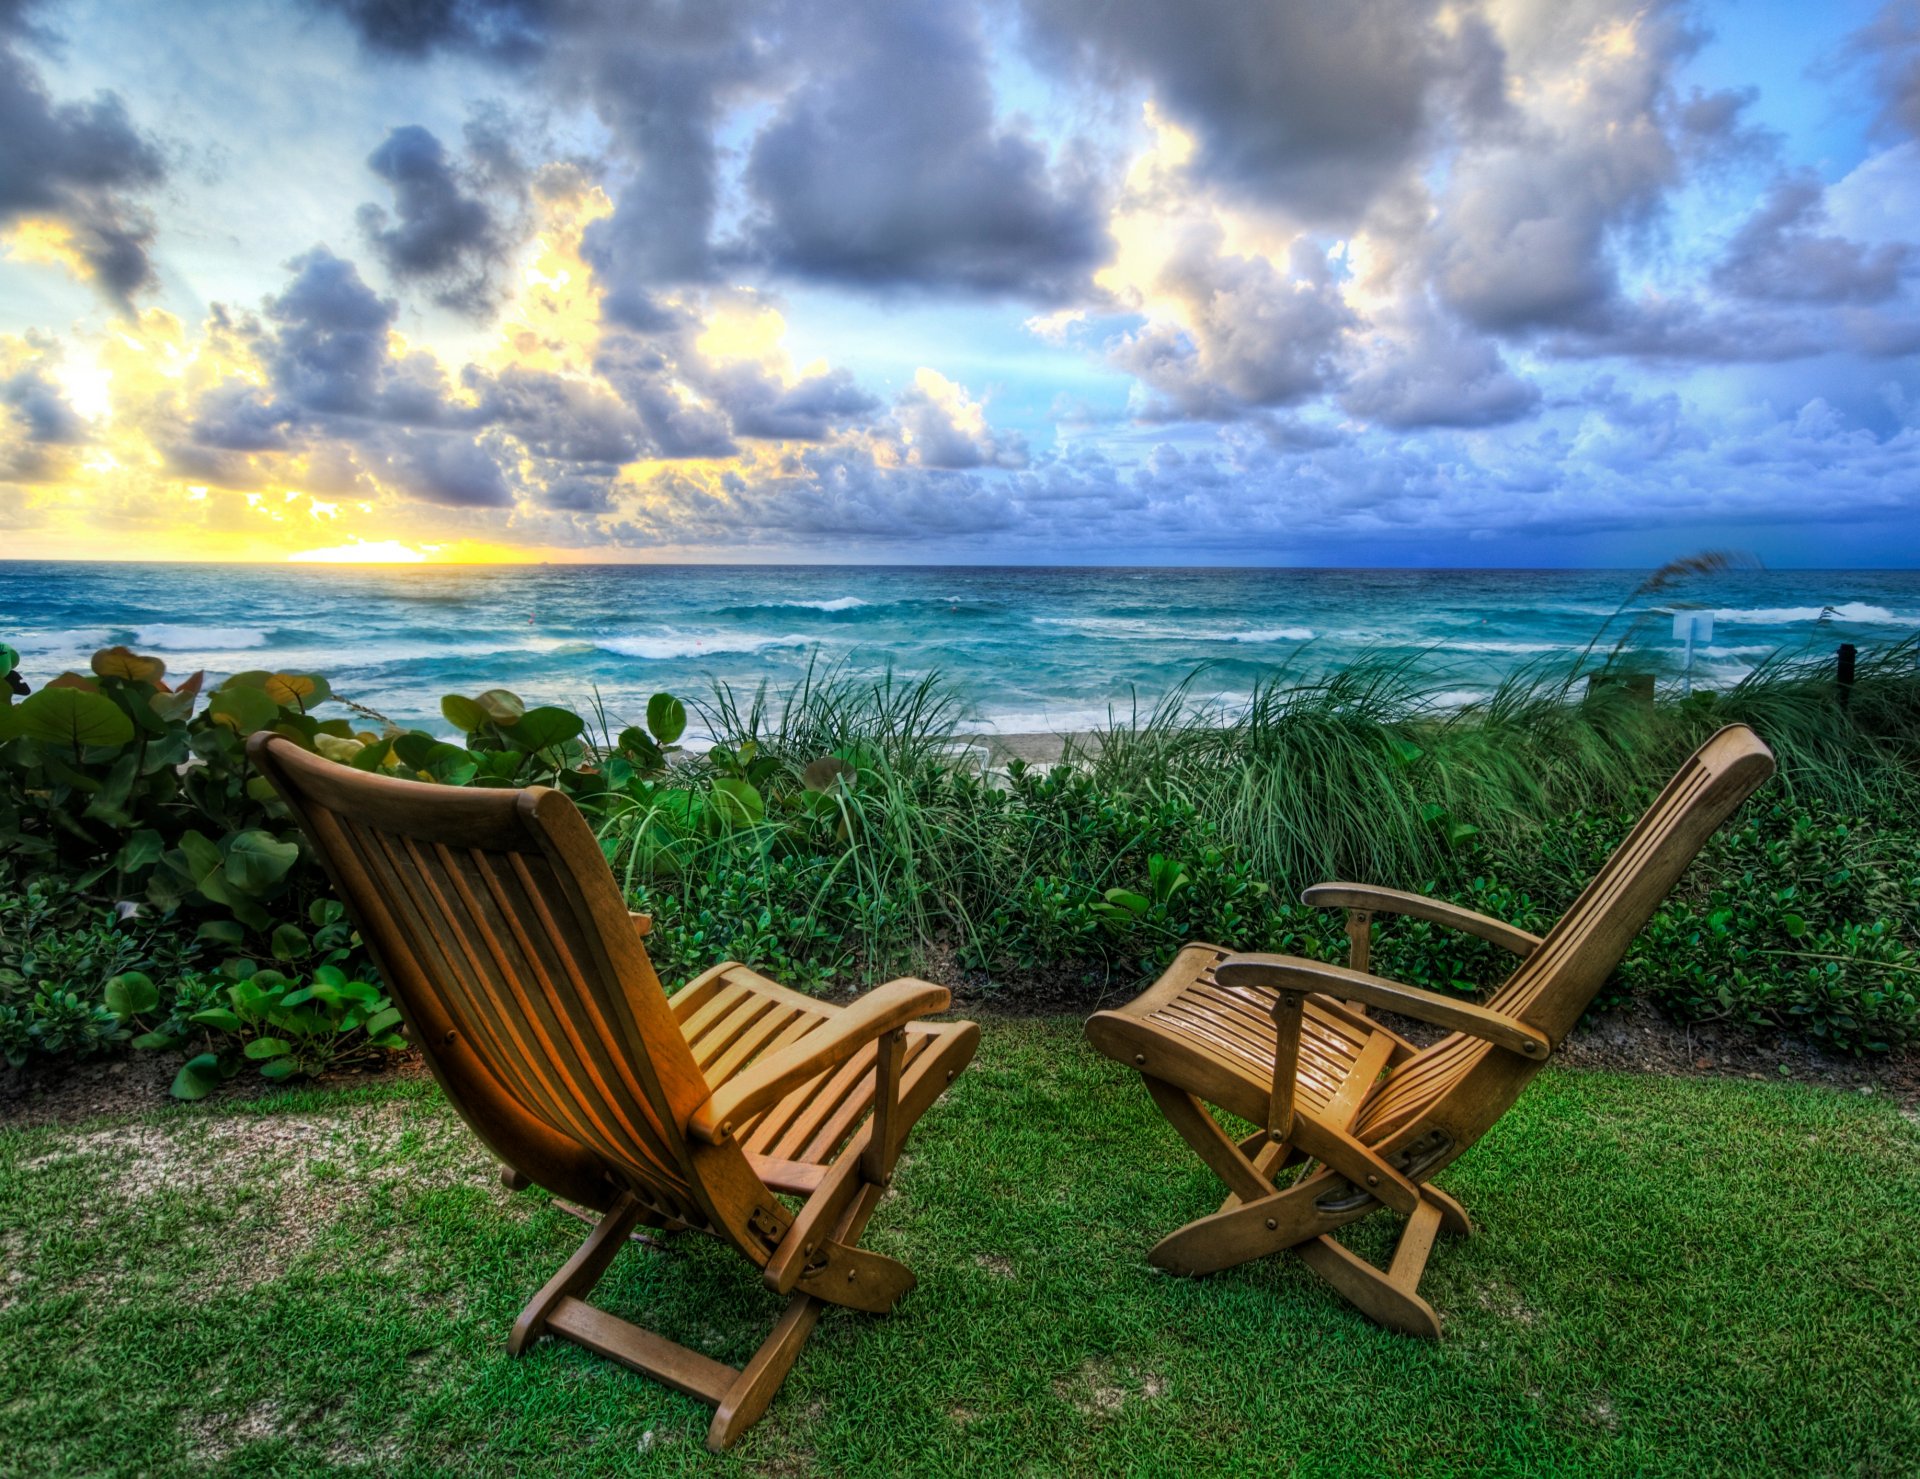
column 838, row 603
column 1517, row 649
column 667, row 647
column 71, row 639
column 1137, row 628
column 181, row 637
column 1857, row 612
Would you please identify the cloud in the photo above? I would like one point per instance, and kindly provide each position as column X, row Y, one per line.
column 1780, row 255
column 330, row 355
column 38, row 425
column 941, row 426
column 1238, row 332
column 1434, row 371
column 81, row 166
column 1889, row 47
column 1308, row 107
column 510, row 31
column 887, row 167
column 809, row 410
column 440, row 234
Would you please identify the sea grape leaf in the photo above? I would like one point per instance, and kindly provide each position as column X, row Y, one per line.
column 72, row 717
column 666, row 717
column 242, row 709
column 502, row 707
column 124, row 662
column 256, row 860
column 463, row 713
column 540, row 728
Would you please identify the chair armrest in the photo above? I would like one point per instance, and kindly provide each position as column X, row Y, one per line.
column 767, row 1080
column 1282, row 972
column 642, row 923
column 1419, row 906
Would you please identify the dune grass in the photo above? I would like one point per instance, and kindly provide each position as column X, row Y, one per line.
column 1672, row 1277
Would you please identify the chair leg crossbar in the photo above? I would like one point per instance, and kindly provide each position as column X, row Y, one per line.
column 738, row 1395
column 1259, row 1218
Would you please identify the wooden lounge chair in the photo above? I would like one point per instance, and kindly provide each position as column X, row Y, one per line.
column 523, row 980
column 1286, row 1044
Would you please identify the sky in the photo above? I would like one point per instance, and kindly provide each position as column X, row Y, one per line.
column 1392, row 282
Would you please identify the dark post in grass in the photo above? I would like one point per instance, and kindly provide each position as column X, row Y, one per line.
column 1846, row 673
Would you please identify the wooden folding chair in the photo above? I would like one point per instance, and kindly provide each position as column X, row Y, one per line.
column 1286, row 1045
column 524, row 982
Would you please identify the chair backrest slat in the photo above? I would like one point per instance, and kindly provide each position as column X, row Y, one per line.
column 505, row 943
column 1460, row 1084
column 1555, row 985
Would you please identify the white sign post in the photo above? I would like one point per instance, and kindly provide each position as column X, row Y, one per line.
column 1691, row 627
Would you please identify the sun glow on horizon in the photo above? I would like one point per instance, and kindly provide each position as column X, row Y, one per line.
column 363, row 552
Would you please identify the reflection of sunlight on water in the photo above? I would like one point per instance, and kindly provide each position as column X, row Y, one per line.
column 361, row 552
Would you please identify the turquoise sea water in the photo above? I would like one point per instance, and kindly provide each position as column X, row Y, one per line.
column 1030, row 649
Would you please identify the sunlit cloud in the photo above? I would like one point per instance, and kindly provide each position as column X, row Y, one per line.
column 1494, row 279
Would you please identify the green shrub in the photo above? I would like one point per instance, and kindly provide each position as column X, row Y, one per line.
column 840, row 834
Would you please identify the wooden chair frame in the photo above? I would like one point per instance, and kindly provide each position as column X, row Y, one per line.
column 1365, row 1116
column 526, row 985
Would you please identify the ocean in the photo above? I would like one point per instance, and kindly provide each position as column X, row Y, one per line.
column 1029, row 650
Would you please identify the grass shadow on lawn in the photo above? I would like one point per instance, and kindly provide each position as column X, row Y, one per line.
column 1672, row 1276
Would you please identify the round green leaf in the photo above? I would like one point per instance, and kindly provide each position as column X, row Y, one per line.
column 218, row 1018
column 298, row 691
column 738, row 801
column 243, row 709
column 290, row 942
column 197, row 1078
column 381, row 1022
column 279, row 1068
column 131, row 994
column 463, row 713
column 256, row 860
column 666, row 717
column 123, row 662
column 542, row 727
column 72, row 717
column 500, row 706
column 267, row 1047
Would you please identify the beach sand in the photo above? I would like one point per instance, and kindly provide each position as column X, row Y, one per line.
column 1034, row 748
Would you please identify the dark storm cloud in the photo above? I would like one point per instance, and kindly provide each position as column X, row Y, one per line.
column 659, row 79
column 807, row 411
column 40, row 410
column 330, row 354
column 644, row 376
column 1311, row 107
column 80, row 163
column 447, row 468
column 511, row 31
column 440, row 234
column 1889, row 48
column 1780, row 254
column 37, row 428
column 887, row 167
column 558, row 419
column 237, row 416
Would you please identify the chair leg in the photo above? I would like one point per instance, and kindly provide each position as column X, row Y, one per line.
column 761, row 1378
column 740, row 1397
column 579, row 1273
column 1453, row 1216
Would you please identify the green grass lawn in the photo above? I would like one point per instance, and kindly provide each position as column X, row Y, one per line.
column 1673, row 1277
